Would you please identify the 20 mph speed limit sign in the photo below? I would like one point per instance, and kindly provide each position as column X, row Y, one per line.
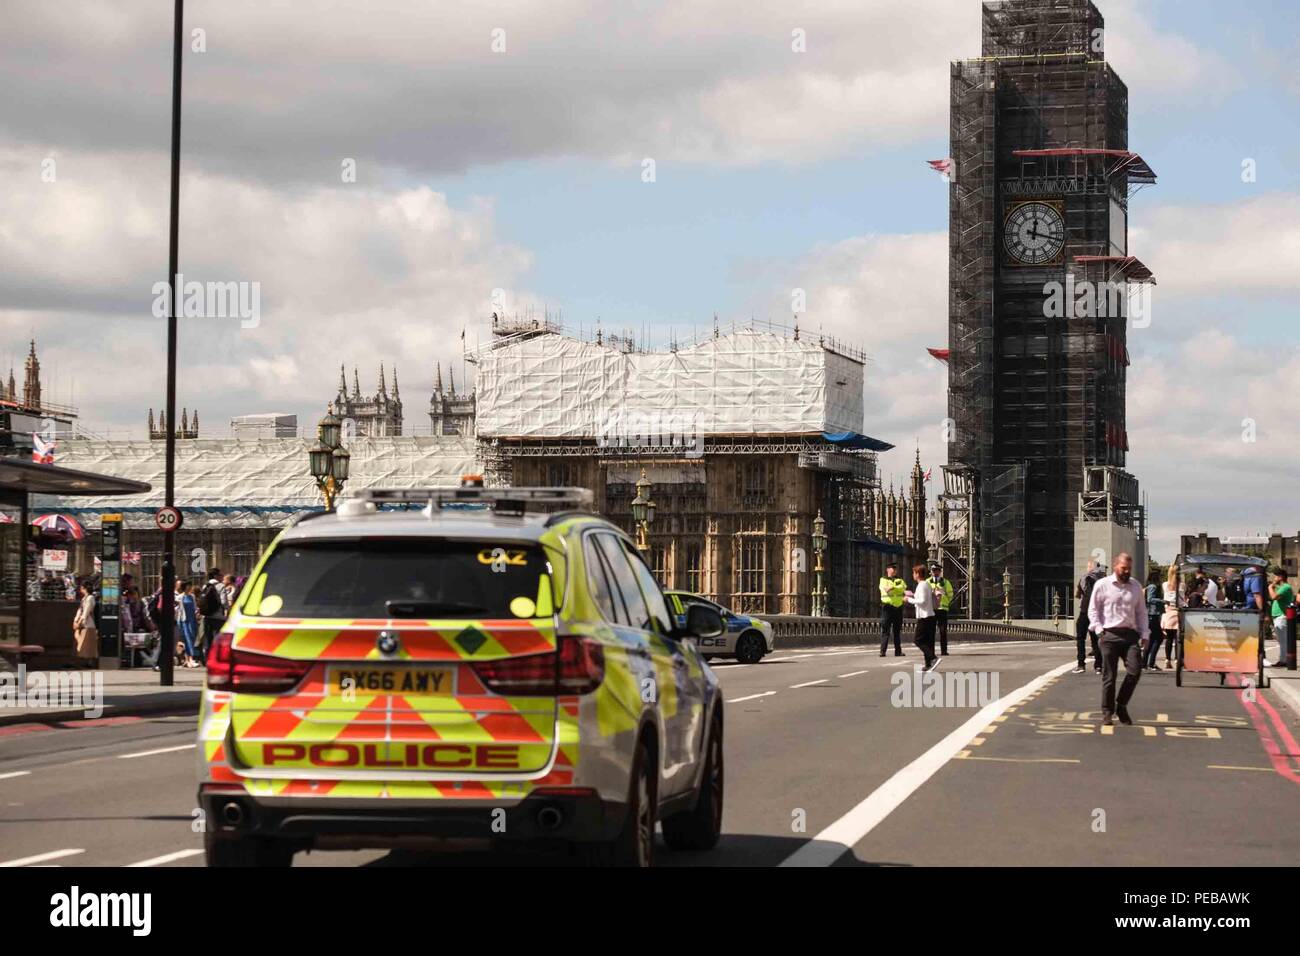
column 167, row 519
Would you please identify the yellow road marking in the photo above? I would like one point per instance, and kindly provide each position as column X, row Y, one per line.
column 1215, row 766
column 1108, row 728
column 976, row 741
column 966, row 755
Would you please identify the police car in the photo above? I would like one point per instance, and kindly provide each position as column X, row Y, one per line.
column 747, row 639
column 475, row 668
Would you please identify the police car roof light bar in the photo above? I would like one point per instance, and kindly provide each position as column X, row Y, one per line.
column 503, row 500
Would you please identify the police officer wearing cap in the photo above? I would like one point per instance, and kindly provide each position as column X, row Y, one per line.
column 943, row 591
column 893, row 592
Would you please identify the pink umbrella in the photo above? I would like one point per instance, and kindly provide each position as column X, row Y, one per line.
column 63, row 524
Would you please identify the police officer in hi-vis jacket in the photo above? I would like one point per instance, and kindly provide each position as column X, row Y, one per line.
column 893, row 591
column 943, row 591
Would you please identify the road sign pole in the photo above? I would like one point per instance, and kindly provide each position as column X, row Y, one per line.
column 167, row 616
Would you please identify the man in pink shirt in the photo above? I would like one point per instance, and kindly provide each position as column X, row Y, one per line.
column 1117, row 614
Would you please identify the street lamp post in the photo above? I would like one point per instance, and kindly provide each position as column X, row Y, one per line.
column 1006, row 596
column 329, row 461
column 166, row 612
column 819, row 549
column 643, row 512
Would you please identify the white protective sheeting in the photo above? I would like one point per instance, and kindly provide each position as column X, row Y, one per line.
column 256, row 483
column 745, row 382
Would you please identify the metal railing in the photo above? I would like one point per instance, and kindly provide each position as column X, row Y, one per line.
column 792, row 630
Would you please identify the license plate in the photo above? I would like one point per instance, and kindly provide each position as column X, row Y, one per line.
column 421, row 681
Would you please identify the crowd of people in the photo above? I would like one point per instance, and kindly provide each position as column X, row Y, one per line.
column 1236, row 589
column 199, row 611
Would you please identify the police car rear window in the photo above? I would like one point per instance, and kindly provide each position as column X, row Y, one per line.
column 403, row 578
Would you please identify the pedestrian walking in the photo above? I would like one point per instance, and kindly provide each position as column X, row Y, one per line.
column 212, row 610
column 1155, row 608
column 1169, row 617
column 943, row 593
column 1117, row 615
column 84, row 632
column 186, row 622
column 893, row 590
column 1283, row 596
column 924, row 599
column 1083, row 594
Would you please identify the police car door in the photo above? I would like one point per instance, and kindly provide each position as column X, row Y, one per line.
column 678, row 672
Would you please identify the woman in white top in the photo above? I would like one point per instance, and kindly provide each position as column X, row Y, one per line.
column 923, row 599
column 1169, row 617
column 84, row 631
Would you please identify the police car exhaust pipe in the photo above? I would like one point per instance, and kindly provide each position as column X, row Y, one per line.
column 232, row 813
column 549, row 818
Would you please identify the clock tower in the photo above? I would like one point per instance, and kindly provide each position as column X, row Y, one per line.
column 1041, row 279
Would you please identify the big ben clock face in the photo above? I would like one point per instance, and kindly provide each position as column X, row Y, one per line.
column 1034, row 233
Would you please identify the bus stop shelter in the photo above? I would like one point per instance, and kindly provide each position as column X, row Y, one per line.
column 19, row 480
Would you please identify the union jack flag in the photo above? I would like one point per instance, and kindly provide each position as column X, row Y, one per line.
column 42, row 450
column 945, row 167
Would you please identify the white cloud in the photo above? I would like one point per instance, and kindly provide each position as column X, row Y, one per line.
column 346, row 273
column 285, row 90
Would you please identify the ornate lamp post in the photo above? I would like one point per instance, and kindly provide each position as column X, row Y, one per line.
column 1006, row 596
column 819, row 549
column 330, row 462
column 643, row 512
column 1056, row 606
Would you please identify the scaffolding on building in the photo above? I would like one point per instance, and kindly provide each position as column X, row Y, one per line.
column 1034, row 396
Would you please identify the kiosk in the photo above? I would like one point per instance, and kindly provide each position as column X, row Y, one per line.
column 1219, row 640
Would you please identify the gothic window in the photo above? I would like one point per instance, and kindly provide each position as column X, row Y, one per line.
column 753, row 565
column 695, row 568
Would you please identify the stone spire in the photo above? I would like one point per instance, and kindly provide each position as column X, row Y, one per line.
column 151, row 428
column 451, row 378
column 397, row 395
column 437, row 381
column 12, row 392
column 32, row 386
column 383, row 389
column 343, row 382
column 356, row 385
column 185, row 420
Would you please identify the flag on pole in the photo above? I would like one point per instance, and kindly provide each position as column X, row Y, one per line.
column 944, row 167
column 42, row 450
column 927, row 474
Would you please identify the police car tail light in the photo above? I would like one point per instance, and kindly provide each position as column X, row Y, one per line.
column 244, row 673
column 582, row 665
column 578, row 668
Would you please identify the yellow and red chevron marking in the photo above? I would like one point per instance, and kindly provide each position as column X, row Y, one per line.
column 419, row 640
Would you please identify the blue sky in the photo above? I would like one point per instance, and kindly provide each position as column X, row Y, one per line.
column 520, row 169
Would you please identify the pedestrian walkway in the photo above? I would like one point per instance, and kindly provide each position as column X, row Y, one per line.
column 63, row 695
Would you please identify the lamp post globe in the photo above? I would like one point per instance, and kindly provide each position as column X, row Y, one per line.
column 329, row 428
column 342, row 464
column 319, row 459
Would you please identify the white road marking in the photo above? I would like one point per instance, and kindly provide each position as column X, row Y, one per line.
column 809, row 683
column 842, row 835
column 15, row 773
column 739, row 700
column 851, row 674
column 167, row 858
column 150, row 753
column 42, row 857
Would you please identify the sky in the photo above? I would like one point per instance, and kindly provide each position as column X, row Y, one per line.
column 501, row 149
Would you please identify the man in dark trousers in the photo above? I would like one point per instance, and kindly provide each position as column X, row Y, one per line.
column 943, row 594
column 1117, row 614
column 893, row 592
column 212, row 611
column 1083, row 594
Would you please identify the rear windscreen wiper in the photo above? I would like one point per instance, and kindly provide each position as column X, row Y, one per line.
column 429, row 608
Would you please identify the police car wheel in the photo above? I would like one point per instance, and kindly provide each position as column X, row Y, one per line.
column 750, row 648
column 700, row 827
column 635, row 843
column 247, row 851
